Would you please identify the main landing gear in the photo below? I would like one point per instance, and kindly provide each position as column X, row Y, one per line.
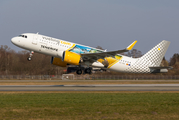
column 30, row 56
column 88, row 70
column 79, row 71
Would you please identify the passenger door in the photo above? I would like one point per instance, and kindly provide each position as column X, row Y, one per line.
column 35, row 39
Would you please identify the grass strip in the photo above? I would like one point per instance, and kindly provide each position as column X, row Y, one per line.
column 45, row 106
column 84, row 82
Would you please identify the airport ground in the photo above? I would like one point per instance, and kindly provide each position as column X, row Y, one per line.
column 84, row 82
column 89, row 104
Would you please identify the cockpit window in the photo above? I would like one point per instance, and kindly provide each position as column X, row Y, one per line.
column 24, row 36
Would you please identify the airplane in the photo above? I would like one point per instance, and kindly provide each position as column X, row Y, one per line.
column 66, row 53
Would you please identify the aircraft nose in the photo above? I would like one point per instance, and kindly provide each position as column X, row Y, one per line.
column 14, row 40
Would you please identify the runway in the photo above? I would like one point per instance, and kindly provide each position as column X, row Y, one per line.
column 115, row 87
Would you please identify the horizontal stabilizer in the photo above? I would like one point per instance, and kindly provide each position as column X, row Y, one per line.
column 159, row 67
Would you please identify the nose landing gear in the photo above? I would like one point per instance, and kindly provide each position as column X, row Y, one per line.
column 30, row 56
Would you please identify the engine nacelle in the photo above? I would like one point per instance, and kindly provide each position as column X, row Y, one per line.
column 71, row 58
column 58, row 62
column 60, row 54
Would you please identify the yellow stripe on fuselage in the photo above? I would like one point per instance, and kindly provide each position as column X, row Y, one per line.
column 72, row 47
column 117, row 58
column 111, row 60
column 113, row 63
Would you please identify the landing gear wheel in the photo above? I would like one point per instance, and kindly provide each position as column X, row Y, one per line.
column 88, row 70
column 29, row 58
column 79, row 72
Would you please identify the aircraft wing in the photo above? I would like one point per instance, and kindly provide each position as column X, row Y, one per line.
column 92, row 57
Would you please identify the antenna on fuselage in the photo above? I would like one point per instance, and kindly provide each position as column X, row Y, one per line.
column 37, row 33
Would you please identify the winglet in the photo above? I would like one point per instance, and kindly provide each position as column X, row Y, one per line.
column 131, row 45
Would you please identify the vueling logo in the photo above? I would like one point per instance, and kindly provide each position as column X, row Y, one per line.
column 65, row 43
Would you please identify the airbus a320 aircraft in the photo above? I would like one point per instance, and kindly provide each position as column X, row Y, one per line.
column 66, row 53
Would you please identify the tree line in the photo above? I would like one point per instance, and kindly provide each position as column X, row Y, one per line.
column 15, row 63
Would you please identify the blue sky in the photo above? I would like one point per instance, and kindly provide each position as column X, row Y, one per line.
column 111, row 24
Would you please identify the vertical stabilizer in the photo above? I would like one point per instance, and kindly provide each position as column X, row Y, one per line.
column 155, row 55
column 151, row 59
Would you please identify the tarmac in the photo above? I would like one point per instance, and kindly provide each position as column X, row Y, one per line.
column 102, row 87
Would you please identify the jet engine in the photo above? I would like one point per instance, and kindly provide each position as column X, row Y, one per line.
column 71, row 58
column 67, row 58
column 58, row 62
